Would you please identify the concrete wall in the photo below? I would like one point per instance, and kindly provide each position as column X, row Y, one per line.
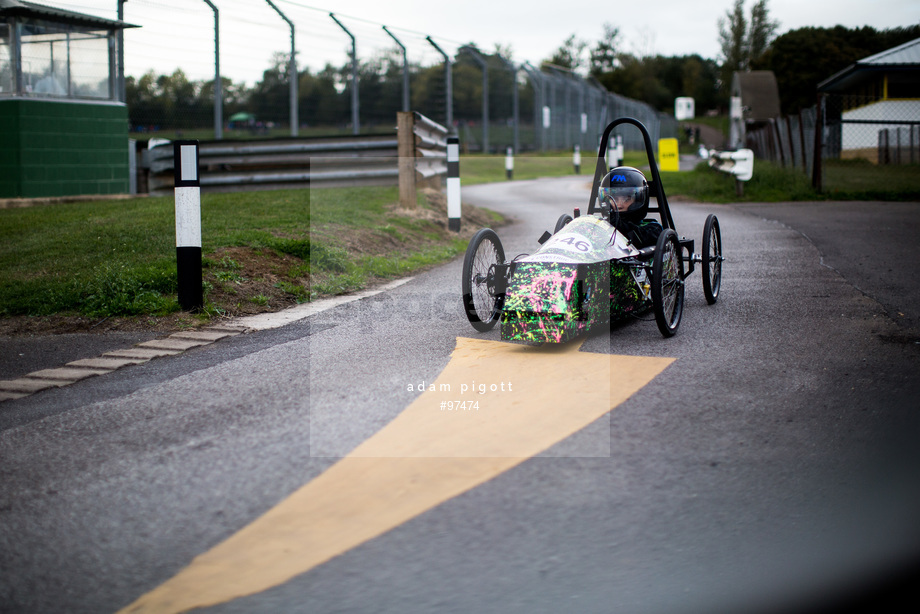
column 62, row 148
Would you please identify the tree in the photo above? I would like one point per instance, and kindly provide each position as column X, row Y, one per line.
column 802, row 58
column 604, row 53
column 569, row 55
column 732, row 31
column 271, row 95
column 740, row 43
column 761, row 32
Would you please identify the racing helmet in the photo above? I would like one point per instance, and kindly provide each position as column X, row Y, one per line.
column 625, row 190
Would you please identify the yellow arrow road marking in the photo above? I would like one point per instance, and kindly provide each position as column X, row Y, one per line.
column 424, row 457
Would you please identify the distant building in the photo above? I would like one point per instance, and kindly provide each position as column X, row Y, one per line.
column 872, row 102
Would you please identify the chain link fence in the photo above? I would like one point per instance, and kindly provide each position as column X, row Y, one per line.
column 557, row 110
column 496, row 102
column 867, row 146
column 870, row 147
column 570, row 110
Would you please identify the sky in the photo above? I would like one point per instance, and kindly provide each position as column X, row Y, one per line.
column 180, row 33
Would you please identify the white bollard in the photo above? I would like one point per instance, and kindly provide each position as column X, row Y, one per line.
column 453, row 183
column 509, row 163
column 188, row 224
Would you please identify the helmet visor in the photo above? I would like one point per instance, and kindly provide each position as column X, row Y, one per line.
column 624, row 198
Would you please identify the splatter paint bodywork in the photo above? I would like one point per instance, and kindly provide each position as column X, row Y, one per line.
column 572, row 284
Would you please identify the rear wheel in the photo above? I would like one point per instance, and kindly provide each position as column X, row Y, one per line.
column 482, row 304
column 564, row 219
column 712, row 259
column 668, row 283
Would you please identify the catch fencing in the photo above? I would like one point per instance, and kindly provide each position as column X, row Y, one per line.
column 489, row 101
column 558, row 110
column 868, row 147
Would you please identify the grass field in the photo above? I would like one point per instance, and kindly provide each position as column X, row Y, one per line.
column 862, row 180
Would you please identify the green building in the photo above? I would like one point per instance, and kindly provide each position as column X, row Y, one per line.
column 63, row 122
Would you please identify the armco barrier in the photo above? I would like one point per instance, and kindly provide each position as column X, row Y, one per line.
column 422, row 153
column 281, row 163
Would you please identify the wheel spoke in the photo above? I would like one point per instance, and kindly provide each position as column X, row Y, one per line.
column 486, row 256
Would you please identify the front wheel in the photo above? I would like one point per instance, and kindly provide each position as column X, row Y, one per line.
column 668, row 283
column 482, row 304
column 712, row 259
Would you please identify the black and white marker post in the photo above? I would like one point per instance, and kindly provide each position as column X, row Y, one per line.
column 509, row 163
column 188, row 224
column 453, row 183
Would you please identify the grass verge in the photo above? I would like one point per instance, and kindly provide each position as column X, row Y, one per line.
column 70, row 266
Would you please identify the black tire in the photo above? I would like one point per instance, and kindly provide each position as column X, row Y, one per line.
column 482, row 305
column 668, row 283
column 564, row 219
column 712, row 259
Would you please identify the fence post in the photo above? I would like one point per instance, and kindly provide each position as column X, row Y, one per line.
column 188, row 224
column 883, row 147
column 355, row 105
column 218, row 95
column 405, row 133
column 453, row 183
column 779, row 142
column 816, row 179
column 449, row 84
column 802, row 143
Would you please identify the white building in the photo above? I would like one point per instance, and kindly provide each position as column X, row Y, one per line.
column 880, row 93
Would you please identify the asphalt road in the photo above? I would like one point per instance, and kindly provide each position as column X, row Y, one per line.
column 772, row 467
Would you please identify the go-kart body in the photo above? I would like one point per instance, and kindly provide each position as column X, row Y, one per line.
column 584, row 275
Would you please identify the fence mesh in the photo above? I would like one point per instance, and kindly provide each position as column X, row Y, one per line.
column 253, row 49
column 869, row 146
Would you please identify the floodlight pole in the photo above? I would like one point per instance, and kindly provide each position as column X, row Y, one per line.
column 292, row 72
column 218, row 97
column 405, row 92
column 514, row 98
column 485, row 93
column 448, row 77
column 355, row 121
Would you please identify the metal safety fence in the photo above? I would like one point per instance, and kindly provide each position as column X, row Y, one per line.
column 278, row 163
column 227, row 74
column 570, row 110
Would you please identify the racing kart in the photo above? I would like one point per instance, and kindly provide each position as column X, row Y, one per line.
column 587, row 273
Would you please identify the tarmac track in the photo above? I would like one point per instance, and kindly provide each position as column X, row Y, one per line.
column 771, row 467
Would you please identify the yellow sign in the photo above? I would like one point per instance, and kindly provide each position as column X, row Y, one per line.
column 668, row 158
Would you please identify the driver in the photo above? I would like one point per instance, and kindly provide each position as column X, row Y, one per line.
column 625, row 191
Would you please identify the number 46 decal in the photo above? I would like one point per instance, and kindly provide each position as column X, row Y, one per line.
column 573, row 242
